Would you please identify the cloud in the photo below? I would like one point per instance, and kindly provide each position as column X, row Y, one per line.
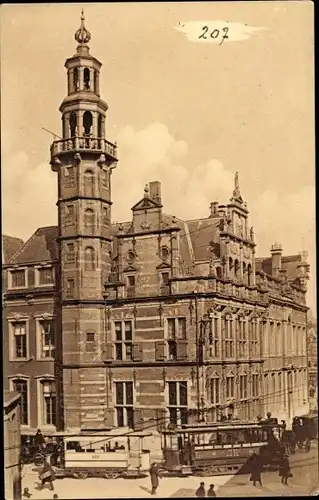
column 217, row 32
column 29, row 192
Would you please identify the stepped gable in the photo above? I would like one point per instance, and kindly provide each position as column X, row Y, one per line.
column 41, row 247
column 10, row 246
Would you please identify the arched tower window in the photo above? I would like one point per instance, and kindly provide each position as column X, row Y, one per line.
column 231, row 267
column 237, row 269
column 245, row 273
column 218, row 272
column 88, row 183
column 89, row 259
column 96, row 81
column 86, row 77
column 89, row 218
column 87, row 123
column 73, row 125
column 75, row 79
column 99, row 126
column 249, row 271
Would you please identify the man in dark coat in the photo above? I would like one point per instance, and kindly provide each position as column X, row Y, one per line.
column 200, row 492
column 284, row 469
column 256, row 468
column 39, row 440
column 211, row 492
column 155, row 475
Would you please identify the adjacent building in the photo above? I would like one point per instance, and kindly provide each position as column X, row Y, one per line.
column 153, row 320
column 12, row 445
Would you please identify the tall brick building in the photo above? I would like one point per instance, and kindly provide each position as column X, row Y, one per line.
column 120, row 324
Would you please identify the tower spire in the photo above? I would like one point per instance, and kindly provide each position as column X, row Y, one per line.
column 82, row 35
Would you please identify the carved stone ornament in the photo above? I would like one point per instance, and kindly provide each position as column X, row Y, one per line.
column 77, row 158
column 102, row 159
column 145, row 225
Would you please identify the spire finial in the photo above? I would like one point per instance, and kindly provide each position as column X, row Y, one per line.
column 236, row 192
column 82, row 35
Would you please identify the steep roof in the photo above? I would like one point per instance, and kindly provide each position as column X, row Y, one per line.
column 204, row 233
column 10, row 246
column 289, row 263
column 42, row 246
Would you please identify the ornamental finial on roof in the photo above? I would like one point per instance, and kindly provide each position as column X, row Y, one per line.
column 236, row 192
column 82, row 35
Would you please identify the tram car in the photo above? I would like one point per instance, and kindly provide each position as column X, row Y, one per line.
column 104, row 455
column 223, row 448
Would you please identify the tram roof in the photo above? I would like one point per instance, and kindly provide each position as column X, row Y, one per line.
column 217, row 427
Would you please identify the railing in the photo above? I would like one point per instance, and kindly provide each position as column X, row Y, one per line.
column 85, row 144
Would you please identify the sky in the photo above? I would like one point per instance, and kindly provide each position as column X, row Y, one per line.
column 185, row 108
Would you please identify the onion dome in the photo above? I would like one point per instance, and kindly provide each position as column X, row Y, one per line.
column 82, row 35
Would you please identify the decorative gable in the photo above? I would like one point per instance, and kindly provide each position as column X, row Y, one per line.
column 145, row 204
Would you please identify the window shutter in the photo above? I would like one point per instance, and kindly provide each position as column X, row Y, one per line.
column 138, row 422
column 108, row 417
column 107, row 355
column 181, row 349
column 160, row 348
column 137, row 353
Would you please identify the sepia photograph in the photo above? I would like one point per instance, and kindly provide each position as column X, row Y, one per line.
column 158, row 250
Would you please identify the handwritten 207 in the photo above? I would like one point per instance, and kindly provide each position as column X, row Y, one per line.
column 214, row 34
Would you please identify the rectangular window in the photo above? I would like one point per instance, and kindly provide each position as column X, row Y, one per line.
column 124, row 404
column 106, row 218
column 243, row 386
column 49, row 402
column 45, row 276
column 230, row 387
column 214, row 391
column 18, row 278
column 228, row 335
column 131, row 286
column 20, row 346
column 176, row 330
column 69, row 215
column 69, row 288
column 90, row 344
column 255, row 386
column 47, row 333
column 21, row 386
column 70, row 254
column 165, row 284
column 214, row 342
column 123, row 340
column 177, row 403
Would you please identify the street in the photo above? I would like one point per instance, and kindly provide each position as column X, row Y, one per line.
column 304, row 467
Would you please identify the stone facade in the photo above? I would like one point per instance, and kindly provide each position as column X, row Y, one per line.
column 156, row 319
column 12, row 445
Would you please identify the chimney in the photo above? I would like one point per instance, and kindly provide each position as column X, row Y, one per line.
column 155, row 192
column 214, row 209
column 276, row 252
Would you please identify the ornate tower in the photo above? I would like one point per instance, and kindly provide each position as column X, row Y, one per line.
column 83, row 160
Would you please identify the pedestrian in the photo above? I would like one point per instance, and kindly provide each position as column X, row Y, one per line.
column 26, row 493
column 211, row 492
column 256, row 468
column 284, row 470
column 200, row 492
column 47, row 475
column 155, row 475
column 39, row 440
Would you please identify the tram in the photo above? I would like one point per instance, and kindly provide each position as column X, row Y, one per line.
column 306, row 429
column 223, row 448
column 104, row 455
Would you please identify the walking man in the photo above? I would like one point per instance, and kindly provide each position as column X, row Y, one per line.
column 200, row 492
column 47, row 475
column 256, row 468
column 211, row 492
column 155, row 475
column 284, row 470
